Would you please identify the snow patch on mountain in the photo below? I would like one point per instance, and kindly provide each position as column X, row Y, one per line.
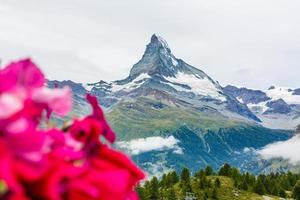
column 240, row 100
column 156, row 143
column 88, row 87
column 258, row 108
column 200, row 86
column 174, row 61
column 285, row 94
column 131, row 85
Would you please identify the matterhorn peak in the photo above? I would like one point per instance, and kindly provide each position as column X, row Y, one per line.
column 159, row 41
column 158, row 61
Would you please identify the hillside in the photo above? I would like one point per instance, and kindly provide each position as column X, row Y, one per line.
column 200, row 138
column 226, row 184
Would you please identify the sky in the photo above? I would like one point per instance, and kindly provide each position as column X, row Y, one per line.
column 249, row 43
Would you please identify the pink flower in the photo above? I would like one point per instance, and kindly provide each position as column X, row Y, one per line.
column 87, row 130
column 54, row 164
column 93, row 126
column 107, row 175
column 109, row 159
column 63, row 145
column 28, row 144
column 23, row 80
column 99, row 115
column 23, row 74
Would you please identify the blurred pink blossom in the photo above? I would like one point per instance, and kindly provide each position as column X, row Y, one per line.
column 54, row 164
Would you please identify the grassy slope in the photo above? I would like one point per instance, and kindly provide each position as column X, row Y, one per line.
column 145, row 120
column 206, row 137
column 227, row 191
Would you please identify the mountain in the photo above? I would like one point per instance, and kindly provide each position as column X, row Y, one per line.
column 277, row 107
column 169, row 114
column 159, row 72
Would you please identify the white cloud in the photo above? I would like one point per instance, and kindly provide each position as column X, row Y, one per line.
column 156, row 169
column 248, row 149
column 288, row 150
column 156, row 143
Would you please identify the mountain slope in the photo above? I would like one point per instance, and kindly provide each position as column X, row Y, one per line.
column 169, row 114
column 277, row 107
column 200, row 138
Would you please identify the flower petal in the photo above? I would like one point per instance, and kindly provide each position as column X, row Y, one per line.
column 59, row 100
column 23, row 73
column 9, row 105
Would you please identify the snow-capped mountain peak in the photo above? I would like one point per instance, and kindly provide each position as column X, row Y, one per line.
column 162, row 67
column 277, row 107
column 156, row 39
column 286, row 94
column 159, row 74
column 157, row 60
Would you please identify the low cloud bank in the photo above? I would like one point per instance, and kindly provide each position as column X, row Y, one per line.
column 289, row 150
column 157, row 143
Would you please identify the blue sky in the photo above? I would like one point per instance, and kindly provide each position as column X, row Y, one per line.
column 250, row 43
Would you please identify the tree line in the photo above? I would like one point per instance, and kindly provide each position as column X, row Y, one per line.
column 206, row 184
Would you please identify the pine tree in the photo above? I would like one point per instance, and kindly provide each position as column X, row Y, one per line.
column 171, row 195
column 292, row 180
column 200, row 173
column 185, row 181
column 163, row 182
column 236, row 183
column 209, row 171
column 243, row 185
column 141, row 192
column 174, row 177
column 285, row 184
column 274, row 190
column 217, row 183
column 225, row 170
column 250, row 179
column 296, row 191
column 282, row 193
column 235, row 174
column 259, row 187
column 204, row 182
column 270, row 185
column 154, row 189
column 147, row 191
column 185, row 175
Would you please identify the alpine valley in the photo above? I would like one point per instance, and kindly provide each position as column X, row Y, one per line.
column 168, row 115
